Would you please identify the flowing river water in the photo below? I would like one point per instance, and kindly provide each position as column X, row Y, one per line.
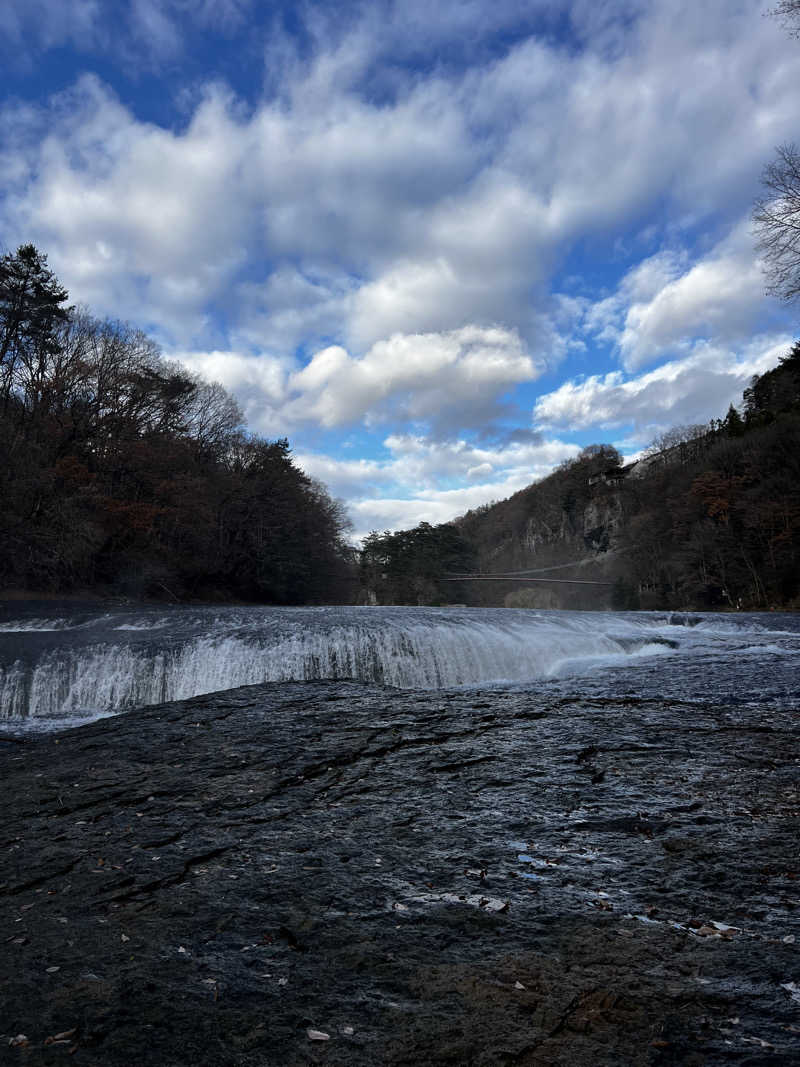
column 63, row 664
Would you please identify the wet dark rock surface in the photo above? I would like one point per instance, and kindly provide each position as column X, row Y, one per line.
column 425, row 878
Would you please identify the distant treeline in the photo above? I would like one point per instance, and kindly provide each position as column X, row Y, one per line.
column 710, row 518
column 121, row 472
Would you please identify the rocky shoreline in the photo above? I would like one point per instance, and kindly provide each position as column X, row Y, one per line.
column 333, row 873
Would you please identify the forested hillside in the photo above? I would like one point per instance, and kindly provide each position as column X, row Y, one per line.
column 123, row 473
column 709, row 518
column 716, row 522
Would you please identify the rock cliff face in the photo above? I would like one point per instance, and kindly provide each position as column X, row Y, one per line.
column 577, row 531
column 594, row 530
column 603, row 517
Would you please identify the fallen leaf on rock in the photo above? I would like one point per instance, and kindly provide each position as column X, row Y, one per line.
column 714, row 929
column 757, row 1041
column 318, row 1035
column 64, row 1038
column 724, row 928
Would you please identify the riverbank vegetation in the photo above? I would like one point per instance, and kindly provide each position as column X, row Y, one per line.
column 124, row 473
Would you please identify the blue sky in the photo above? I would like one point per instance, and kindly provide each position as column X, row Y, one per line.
column 440, row 247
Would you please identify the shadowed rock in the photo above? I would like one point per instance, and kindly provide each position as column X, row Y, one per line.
column 422, row 878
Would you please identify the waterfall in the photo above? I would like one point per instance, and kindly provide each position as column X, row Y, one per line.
column 85, row 667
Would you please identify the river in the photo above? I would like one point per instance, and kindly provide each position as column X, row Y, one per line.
column 559, row 838
column 63, row 664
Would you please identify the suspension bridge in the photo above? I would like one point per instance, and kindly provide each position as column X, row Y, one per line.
column 526, row 576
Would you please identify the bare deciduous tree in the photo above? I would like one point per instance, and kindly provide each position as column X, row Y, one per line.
column 788, row 11
column 776, row 219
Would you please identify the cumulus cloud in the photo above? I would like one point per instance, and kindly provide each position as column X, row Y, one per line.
column 292, row 309
column 688, row 390
column 446, row 379
column 720, row 297
column 451, row 202
column 129, row 212
column 257, row 381
column 665, row 303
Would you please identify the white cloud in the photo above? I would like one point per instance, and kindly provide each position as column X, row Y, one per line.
column 152, row 27
column 665, row 303
column 292, row 308
column 130, row 213
column 421, row 478
column 445, row 379
column 689, row 390
column 257, row 381
column 449, row 202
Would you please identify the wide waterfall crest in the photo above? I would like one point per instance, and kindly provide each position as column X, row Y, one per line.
column 68, row 671
column 71, row 667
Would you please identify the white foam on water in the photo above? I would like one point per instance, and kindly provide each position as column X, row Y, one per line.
column 198, row 651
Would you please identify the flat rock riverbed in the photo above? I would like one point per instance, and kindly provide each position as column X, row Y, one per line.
column 338, row 873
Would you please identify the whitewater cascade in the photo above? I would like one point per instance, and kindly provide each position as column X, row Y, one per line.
column 93, row 664
column 80, row 667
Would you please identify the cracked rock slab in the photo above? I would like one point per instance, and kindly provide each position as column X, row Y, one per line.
column 480, row 878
